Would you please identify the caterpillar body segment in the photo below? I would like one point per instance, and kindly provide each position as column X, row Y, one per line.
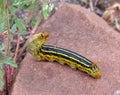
column 37, row 48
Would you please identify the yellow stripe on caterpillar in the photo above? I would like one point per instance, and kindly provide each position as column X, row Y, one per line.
column 69, row 52
column 62, row 54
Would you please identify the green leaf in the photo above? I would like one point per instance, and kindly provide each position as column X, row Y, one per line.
column 47, row 8
column 1, row 68
column 20, row 24
column 10, row 62
column 2, row 8
column 26, row 6
column 84, row 1
column 16, row 2
column 12, row 9
column 2, row 27
column 29, row 6
column 1, row 76
column 20, row 3
column 22, row 32
column 2, row 47
column 1, row 83
column 33, row 22
column 2, row 56
column 26, row 1
column 14, row 28
column 45, row 11
column 51, row 6
column 2, row 23
column 13, row 1
column 12, row 20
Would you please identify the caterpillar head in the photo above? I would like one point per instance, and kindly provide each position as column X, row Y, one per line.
column 36, row 42
column 41, row 37
column 94, row 71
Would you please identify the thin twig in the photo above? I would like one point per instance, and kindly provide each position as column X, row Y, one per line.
column 11, row 70
column 96, row 2
column 8, row 28
column 7, row 68
column 91, row 5
column 17, row 47
column 41, row 1
column 6, row 80
column 30, row 13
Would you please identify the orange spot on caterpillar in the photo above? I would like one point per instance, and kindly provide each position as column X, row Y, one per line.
column 89, row 71
column 57, row 59
column 48, row 58
column 79, row 67
column 41, row 56
column 68, row 63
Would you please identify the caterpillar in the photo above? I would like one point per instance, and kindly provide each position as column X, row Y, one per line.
column 37, row 48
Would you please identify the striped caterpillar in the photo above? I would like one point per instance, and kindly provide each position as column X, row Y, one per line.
column 37, row 48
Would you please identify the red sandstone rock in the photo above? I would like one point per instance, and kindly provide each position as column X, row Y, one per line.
column 74, row 28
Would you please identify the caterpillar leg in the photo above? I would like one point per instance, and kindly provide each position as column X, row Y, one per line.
column 49, row 58
column 39, row 57
column 60, row 60
column 72, row 65
column 63, row 61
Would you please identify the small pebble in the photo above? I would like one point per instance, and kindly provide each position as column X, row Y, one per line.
column 117, row 92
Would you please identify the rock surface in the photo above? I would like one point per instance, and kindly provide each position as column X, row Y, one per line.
column 74, row 28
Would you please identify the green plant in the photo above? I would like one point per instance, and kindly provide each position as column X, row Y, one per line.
column 14, row 25
column 4, row 60
column 84, row 1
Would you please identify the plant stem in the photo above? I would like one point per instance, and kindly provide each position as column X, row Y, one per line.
column 41, row 1
column 8, row 29
column 7, row 67
column 6, row 81
column 31, row 13
column 17, row 48
column 38, row 22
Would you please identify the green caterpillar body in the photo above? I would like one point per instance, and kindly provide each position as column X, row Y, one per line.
column 63, row 56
